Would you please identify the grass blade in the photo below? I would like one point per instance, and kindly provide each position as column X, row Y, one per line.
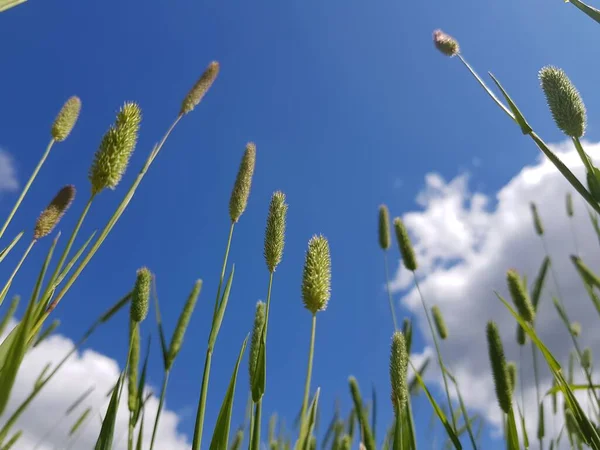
column 107, row 432
column 4, row 253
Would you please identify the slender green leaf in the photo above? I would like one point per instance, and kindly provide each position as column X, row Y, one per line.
column 80, row 400
column 216, row 325
column 519, row 118
column 591, row 12
column 7, row 4
column 107, row 432
column 4, row 253
column 79, row 421
column 536, row 292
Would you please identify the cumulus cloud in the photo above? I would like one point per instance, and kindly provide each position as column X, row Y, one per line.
column 8, row 173
column 45, row 423
column 466, row 241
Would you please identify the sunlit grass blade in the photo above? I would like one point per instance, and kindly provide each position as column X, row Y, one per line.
column 107, row 431
column 305, row 436
column 220, row 436
column 413, row 385
column 4, row 253
column 363, row 420
column 590, row 11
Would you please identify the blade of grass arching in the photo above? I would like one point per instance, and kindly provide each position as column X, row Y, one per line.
column 10, row 313
column 518, row 116
column 463, row 409
column 220, row 438
column 363, row 420
column 438, row 411
column 590, row 11
column 79, row 421
column 583, row 422
column 4, row 253
column 310, row 422
column 107, row 431
column 413, row 385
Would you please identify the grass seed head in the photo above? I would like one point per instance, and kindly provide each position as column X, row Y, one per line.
column 537, row 221
column 576, row 329
column 384, row 228
column 66, row 119
column 406, row 248
column 398, row 372
column 141, row 295
column 564, row 101
column 519, row 295
column 440, row 324
column 243, row 182
column 257, row 329
column 50, row 217
column 521, row 336
column 116, row 148
column 445, row 43
column 275, row 231
column 316, row 277
column 586, row 358
column 182, row 323
column 499, row 369
column 511, row 367
column 541, row 431
column 569, row 204
column 199, row 89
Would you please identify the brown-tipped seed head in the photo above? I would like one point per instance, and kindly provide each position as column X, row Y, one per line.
column 537, row 222
column 50, row 217
column 445, row 43
column 140, row 296
column 440, row 323
column 275, row 232
column 398, row 372
column 316, row 277
column 406, row 248
column 499, row 370
column 384, row 228
column 66, row 119
column 519, row 295
column 182, row 323
column 257, row 329
column 564, row 101
column 116, row 148
column 243, row 182
column 199, row 89
column 134, row 360
column 569, row 204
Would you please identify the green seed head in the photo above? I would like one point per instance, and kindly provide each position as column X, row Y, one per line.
column 275, row 232
column 346, row 443
column 541, row 425
column 134, row 360
column 537, row 222
column 512, row 375
column 66, row 119
column 384, row 227
column 440, row 324
column 238, row 440
column 50, row 217
column 576, row 329
column 564, row 101
column 316, row 277
column 141, row 295
column 398, row 372
column 259, row 323
column 116, row 148
column 200, row 88
column 243, row 182
column 182, row 323
column 519, row 295
column 569, row 204
column 521, row 336
column 445, row 43
column 406, row 248
column 586, row 358
column 499, row 370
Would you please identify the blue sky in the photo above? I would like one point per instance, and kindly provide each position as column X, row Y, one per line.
column 349, row 105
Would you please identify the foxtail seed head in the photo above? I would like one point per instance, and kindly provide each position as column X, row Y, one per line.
column 440, row 324
column 275, row 232
column 519, row 295
column 499, row 370
column 134, row 360
column 445, row 43
column 66, row 119
column 384, row 228
column 569, row 204
column 116, row 148
column 541, row 431
column 257, row 329
column 406, row 248
column 316, row 277
column 243, row 182
column 182, row 323
column 576, row 329
column 586, row 358
column 50, row 217
column 564, row 101
column 141, row 295
column 511, row 367
column 398, row 372
column 537, row 222
column 199, row 89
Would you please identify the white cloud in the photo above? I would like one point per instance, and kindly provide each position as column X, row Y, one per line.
column 465, row 242
column 45, row 419
column 8, row 173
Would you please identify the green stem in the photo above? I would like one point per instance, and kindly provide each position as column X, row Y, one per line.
column 257, row 421
column 130, row 433
column 311, row 354
column 583, row 155
column 437, row 350
column 268, row 303
column 537, row 389
column 202, row 403
column 163, row 391
column 572, row 226
column 14, row 273
column 225, row 258
column 389, row 292
column 26, row 188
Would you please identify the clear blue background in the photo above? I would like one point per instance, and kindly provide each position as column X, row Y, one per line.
column 343, row 100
